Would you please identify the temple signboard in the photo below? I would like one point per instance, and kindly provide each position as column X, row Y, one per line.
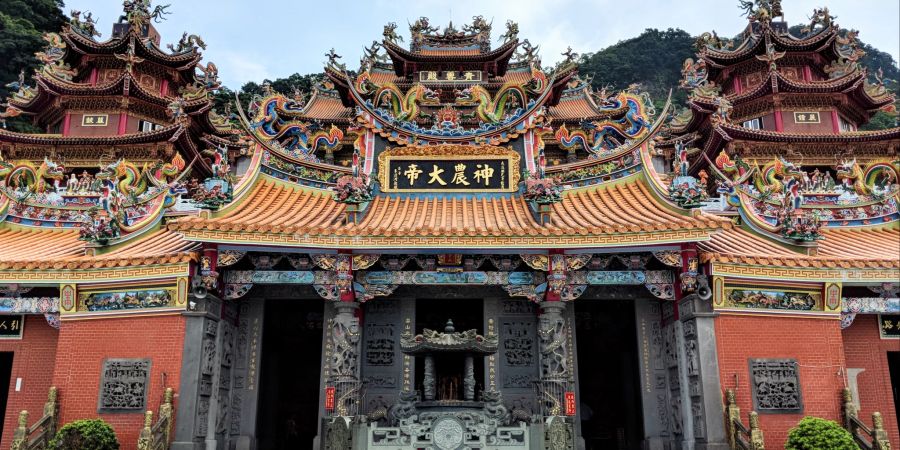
column 11, row 326
column 452, row 76
column 889, row 326
column 449, row 168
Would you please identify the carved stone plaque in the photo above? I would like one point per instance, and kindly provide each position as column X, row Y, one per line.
column 775, row 384
column 123, row 385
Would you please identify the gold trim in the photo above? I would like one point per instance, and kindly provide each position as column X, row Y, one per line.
column 485, row 241
column 94, row 275
column 450, row 152
column 775, row 273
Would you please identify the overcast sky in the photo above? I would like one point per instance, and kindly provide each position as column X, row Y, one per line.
column 250, row 40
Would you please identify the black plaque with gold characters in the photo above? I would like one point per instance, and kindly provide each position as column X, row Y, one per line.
column 11, row 326
column 449, row 168
column 889, row 324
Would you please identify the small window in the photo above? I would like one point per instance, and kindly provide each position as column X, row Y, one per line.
column 754, row 124
column 845, row 125
column 146, row 126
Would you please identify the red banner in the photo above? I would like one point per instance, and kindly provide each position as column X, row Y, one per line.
column 570, row 403
column 329, row 398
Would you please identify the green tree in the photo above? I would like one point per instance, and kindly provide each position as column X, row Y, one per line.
column 652, row 59
column 87, row 434
column 22, row 24
column 813, row 433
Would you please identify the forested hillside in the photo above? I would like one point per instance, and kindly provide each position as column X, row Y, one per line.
column 22, row 24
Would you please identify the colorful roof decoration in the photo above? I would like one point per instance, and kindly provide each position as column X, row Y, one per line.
column 448, row 144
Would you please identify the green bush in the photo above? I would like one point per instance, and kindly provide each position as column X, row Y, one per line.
column 813, row 433
column 88, row 434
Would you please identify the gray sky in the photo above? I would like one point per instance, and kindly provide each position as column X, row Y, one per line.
column 250, row 40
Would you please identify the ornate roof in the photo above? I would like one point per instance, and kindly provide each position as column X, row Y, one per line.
column 851, row 248
column 53, row 255
column 619, row 214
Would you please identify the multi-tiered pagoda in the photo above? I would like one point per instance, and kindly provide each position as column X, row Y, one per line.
column 275, row 274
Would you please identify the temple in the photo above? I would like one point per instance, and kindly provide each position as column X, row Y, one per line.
column 450, row 246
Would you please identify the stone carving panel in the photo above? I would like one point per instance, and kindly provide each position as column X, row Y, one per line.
column 123, row 385
column 517, row 340
column 775, row 384
column 380, row 343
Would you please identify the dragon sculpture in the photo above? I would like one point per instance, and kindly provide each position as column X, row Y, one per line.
column 187, row 43
column 33, row 179
column 128, row 179
column 771, row 178
column 405, row 107
column 730, row 174
column 277, row 119
column 494, row 109
column 608, row 134
column 131, row 181
column 878, row 176
column 52, row 58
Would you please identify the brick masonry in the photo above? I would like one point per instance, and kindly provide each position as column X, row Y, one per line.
column 33, row 359
column 814, row 342
column 864, row 349
column 84, row 344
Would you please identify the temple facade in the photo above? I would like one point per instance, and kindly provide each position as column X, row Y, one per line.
column 450, row 246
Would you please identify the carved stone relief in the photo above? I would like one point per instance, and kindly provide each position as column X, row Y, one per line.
column 123, row 385
column 380, row 343
column 775, row 384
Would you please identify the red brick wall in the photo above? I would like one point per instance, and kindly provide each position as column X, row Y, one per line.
column 815, row 343
column 84, row 344
column 33, row 358
column 864, row 349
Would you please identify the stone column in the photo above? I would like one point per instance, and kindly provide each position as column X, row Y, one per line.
column 469, row 380
column 652, row 370
column 703, row 387
column 344, row 374
column 428, row 379
column 198, row 366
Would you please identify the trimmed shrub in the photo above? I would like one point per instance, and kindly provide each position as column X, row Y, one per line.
column 813, row 433
column 88, row 434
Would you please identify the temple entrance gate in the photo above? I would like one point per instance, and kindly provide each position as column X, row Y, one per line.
column 447, row 357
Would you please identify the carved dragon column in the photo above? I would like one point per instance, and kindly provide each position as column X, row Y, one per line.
column 698, row 364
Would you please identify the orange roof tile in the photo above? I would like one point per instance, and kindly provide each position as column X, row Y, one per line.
column 842, row 248
column 518, row 76
column 42, row 248
column 327, row 108
column 623, row 213
column 572, row 108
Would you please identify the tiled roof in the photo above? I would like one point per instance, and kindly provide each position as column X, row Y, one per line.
column 33, row 248
column 624, row 213
column 573, row 108
column 327, row 108
column 840, row 248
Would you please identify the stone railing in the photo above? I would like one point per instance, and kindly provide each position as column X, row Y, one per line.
column 741, row 437
column 37, row 436
column 155, row 436
column 875, row 438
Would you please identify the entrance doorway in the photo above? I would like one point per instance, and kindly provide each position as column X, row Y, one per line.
column 6, row 360
column 894, row 367
column 608, row 374
column 290, row 373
